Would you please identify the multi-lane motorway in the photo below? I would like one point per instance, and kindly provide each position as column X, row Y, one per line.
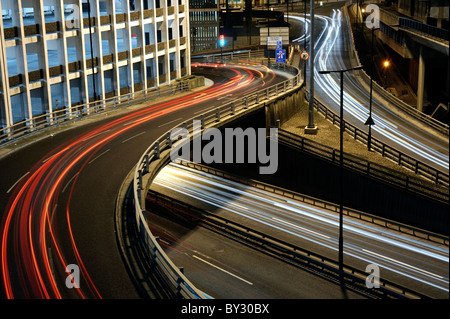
column 58, row 194
column 333, row 52
column 418, row 264
column 413, row 263
column 57, row 198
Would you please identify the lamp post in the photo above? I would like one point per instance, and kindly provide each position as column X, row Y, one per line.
column 268, row 30
column 386, row 64
column 370, row 121
column 341, row 163
column 304, row 45
column 311, row 128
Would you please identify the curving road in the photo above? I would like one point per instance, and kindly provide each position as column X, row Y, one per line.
column 57, row 195
column 418, row 264
column 332, row 53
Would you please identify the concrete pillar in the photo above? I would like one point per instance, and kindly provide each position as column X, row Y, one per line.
column 4, row 79
column 42, row 51
column 113, row 45
column 61, row 46
column 98, row 50
column 420, row 81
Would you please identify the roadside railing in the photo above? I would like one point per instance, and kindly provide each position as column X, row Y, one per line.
column 158, row 154
column 367, row 168
column 244, row 55
column 383, row 222
column 434, row 175
column 388, row 97
column 288, row 251
column 424, row 28
column 81, row 111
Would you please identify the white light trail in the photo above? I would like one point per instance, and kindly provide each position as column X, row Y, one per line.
column 329, row 38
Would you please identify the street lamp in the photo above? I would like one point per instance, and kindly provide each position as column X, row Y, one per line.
column 341, row 163
column 311, row 128
column 386, row 64
column 370, row 121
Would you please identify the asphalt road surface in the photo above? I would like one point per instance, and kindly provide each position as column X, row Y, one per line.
column 57, row 194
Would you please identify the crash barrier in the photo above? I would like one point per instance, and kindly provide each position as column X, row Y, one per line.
column 286, row 251
column 383, row 222
column 388, row 97
column 81, row 111
column 158, row 155
column 367, row 168
column 434, row 175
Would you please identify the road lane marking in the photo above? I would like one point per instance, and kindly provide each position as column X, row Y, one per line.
column 99, row 155
column 130, row 138
column 51, row 217
column 88, row 138
column 227, row 272
column 402, row 263
column 305, row 229
column 48, row 158
column 170, row 122
column 196, row 97
column 70, row 181
column 224, row 97
column 11, row 188
column 206, row 110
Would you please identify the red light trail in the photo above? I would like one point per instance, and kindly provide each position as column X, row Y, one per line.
column 32, row 256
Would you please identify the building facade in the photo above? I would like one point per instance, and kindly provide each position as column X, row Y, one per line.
column 61, row 54
column 204, row 21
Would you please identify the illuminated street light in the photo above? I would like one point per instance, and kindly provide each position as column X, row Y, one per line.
column 386, row 64
column 341, row 164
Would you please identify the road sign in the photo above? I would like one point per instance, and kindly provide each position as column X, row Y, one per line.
column 272, row 42
column 304, row 55
column 280, row 56
column 279, row 45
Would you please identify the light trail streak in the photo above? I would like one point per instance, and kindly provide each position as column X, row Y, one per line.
column 28, row 233
column 313, row 224
column 325, row 45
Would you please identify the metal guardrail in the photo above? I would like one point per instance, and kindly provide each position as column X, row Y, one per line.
column 387, row 223
column 158, row 152
column 370, row 169
column 436, row 176
column 408, row 109
column 287, row 251
column 401, row 105
column 83, row 110
column 424, row 28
